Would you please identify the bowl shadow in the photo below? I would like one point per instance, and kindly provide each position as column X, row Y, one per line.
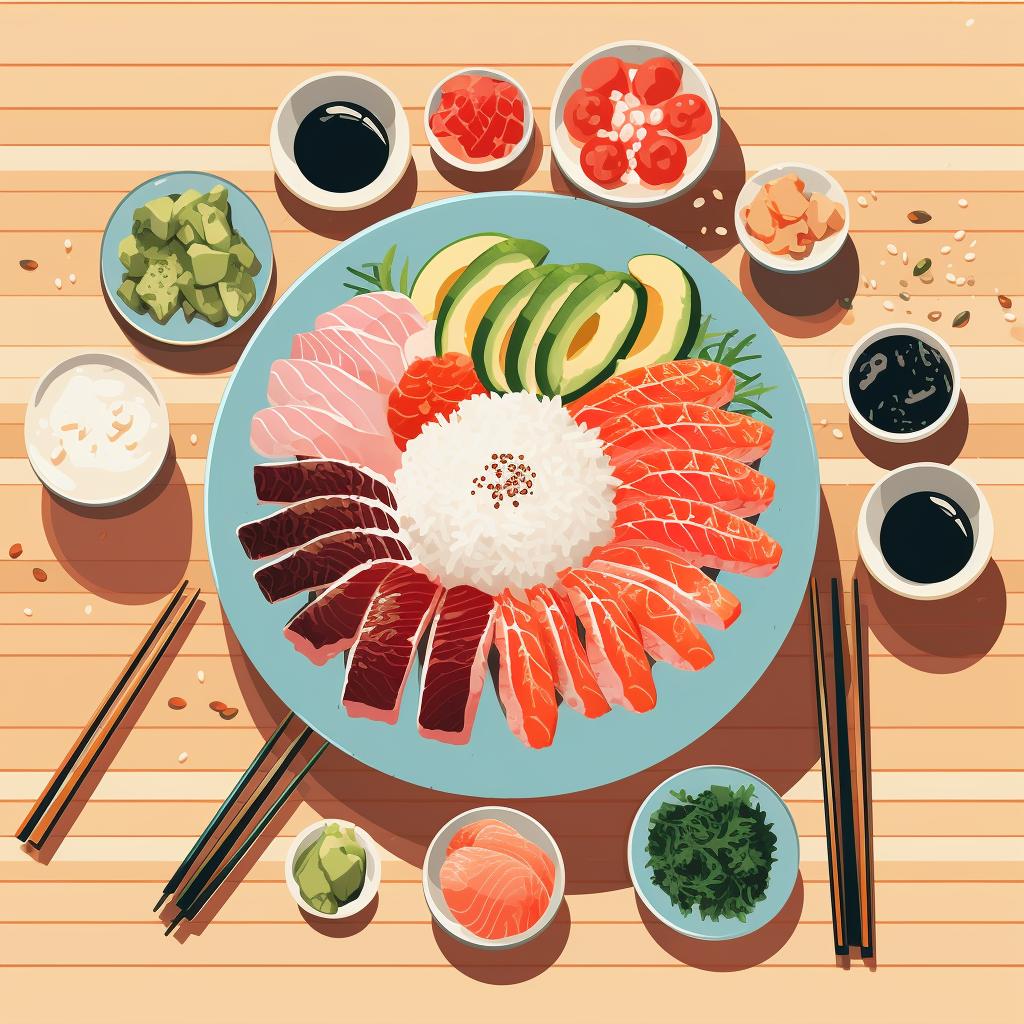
column 504, row 178
column 944, row 446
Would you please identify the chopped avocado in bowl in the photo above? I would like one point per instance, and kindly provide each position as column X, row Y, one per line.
column 186, row 258
column 333, row 869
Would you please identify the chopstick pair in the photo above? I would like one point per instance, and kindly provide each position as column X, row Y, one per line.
column 845, row 785
column 201, row 874
column 94, row 737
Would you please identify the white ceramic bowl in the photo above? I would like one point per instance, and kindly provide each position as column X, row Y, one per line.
column 478, row 165
column 371, row 884
column 815, row 180
column 161, row 425
column 567, row 153
column 339, row 86
column 530, row 829
column 924, row 476
column 922, row 334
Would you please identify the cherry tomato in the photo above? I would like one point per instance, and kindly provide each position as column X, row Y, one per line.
column 604, row 162
column 657, row 80
column 660, row 160
column 605, row 74
column 586, row 112
column 686, row 116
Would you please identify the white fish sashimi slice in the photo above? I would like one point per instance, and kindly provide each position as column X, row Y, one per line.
column 285, row 430
column 330, row 388
column 363, row 360
column 386, row 315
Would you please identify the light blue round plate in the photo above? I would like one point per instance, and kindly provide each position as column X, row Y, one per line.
column 781, row 878
column 586, row 752
column 247, row 221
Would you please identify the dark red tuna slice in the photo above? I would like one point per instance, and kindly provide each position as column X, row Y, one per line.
column 306, row 520
column 318, row 478
column 325, row 560
column 330, row 623
column 456, row 663
column 379, row 663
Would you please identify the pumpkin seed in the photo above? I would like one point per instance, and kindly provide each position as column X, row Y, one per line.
column 905, row 296
column 1005, row 301
column 919, row 217
column 922, row 267
column 962, row 318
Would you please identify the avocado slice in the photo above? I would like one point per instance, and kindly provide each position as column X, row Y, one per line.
column 218, row 197
column 442, row 270
column 534, row 320
column 158, row 216
column 475, row 289
column 208, row 265
column 188, row 309
column 490, row 346
column 246, row 258
column 672, row 317
column 237, row 292
column 216, row 229
column 158, row 287
column 205, row 300
column 132, row 259
column 595, row 327
column 128, row 293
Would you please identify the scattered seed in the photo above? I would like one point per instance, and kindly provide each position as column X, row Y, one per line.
column 958, row 236
column 861, row 201
column 88, row 609
column 962, row 318
column 970, row 256
column 836, row 432
column 961, row 281
column 881, row 263
column 874, row 195
column 926, row 279
column 970, row 282
column 823, row 421
column 905, row 296
column 201, row 676
column 903, row 284
column 193, row 439
column 946, row 250
column 721, row 231
column 15, row 550
column 699, row 202
column 40, row 575
column 704, row 230
column 218, row 706
column 969, row 23
column 1005, row 301
column 28, row 612
column 891, row 249
column 846, row 303
column 974, row 242
column 67, row 245
column 183, row 757
column 873, row 283
column 28, row 264
column 58, row 283
column 951, row 278
column 922, row 266
column 717, row 194
column 934, row 316
column 228, row 713
column 904, row 258
column 962, row 203
column 919, row 217
column 1010, row 317
column 73, row 278
column 177, row 703
column 888, row 305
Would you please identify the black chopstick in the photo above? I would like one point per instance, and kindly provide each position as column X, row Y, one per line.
column 833, row 827
column 865, row 860
column 202, row 897
column 246, row 777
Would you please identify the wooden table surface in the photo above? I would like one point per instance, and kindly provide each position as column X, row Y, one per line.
column 911, row 106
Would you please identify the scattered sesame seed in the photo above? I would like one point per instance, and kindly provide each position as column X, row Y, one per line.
column 193, row 438
column 88, row 609
column 891, row 249
column 861, row 201
column 970, row 256
column 823, row 421
column 961, row 203
column 58, row 283
column 1010, row 317
column 28, row 612
column 73, row 278
column 888, row 305
column 881, row 263
column 969, row 23
column 721, row 231
column 704, row 230
column 970, row 282
column 904, row 257
column 958, row 236
column 874, row 195
column 699, row 202
column 717, row 193
column 836, row 432
column 867, row 284
column 67, row 245
column 974, row 242
column 961, row 281
column 946, row 250
column 183, row 757
column 201, row 676
column 951, row 278
column 873, row 283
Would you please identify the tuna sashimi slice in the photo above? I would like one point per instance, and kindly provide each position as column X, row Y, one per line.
column 325, row 560
column 687, row 425
column 330, row 388
column 303, row 432
column 526, row 680
column 353, row 352
column 700, row 476
column 678, row 580
column 379, row 663
column 666, row 631
column 330, row 623
column 304, row 521
column 503, row 839
column 318, row 478
column 614, row 646
column 705, row 535
column 684, row 380
column 574, row 677
column 492, row 894
column 456, row 664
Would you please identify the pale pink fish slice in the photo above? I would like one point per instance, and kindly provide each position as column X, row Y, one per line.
column 388, row 315
column 319, row 385
column 310, row 433
column 701, row 533
column 361, row 361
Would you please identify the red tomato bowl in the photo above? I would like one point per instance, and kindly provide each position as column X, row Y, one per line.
column 673, row 151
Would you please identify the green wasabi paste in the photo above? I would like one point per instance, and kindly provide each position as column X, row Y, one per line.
column 331, row 870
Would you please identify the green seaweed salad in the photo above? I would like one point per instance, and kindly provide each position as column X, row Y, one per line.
column 184, row 253
column 713, row 851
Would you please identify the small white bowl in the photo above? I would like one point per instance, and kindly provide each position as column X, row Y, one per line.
column 161, row 424
column 340, row 86
column 478, row 165
column 567, row 153
column 527, row 827
column 371, row 883
column 924, row 476
column 929, row 338
column 815, row 180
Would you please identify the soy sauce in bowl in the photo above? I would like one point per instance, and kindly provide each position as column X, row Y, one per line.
column 926, row 537
column 341, row 147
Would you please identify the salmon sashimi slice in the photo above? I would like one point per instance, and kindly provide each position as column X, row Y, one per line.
column 574, row 677
column 683, row 380
column 455, row 664
column 298, row 524
column 503, row 839
column 381, row 659
column 309, row 433
column 700, row 476
column 466, row 835
column 319, row 478
column 492, row 894
column 330, row 388
column 705, row 535
column 430, row 388
column 526, row 680
column 678, row 580
column 614, row 647
column 330, row 623
column 687, row 425
column 666, row 631
column 353, row 352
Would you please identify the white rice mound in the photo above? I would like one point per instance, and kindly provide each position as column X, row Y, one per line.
column 460, row 538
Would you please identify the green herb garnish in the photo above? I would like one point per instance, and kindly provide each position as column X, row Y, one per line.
column 379, row 277
column 719, row 347
column 713, row 851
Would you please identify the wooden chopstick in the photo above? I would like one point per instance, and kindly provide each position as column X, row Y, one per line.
column 203, row 894
column 833, row 826
column 183, row 869
column 82, row 756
